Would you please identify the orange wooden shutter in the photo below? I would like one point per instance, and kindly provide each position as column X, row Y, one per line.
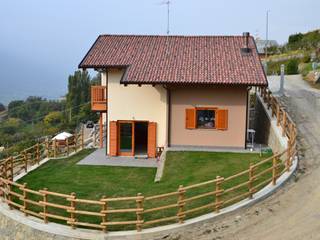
column 152, row 136
column 190, row 118
column 222, row 119
column 113, row 141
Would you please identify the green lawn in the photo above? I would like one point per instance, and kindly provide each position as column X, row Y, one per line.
column 92, row 182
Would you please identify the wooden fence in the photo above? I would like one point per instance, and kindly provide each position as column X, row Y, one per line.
column 142, row 211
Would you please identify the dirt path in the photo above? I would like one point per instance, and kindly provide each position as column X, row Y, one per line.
column 294, row 211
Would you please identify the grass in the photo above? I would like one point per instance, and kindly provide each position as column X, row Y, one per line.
column 182, row 168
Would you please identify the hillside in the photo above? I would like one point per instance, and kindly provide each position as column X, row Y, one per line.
column 301, row 54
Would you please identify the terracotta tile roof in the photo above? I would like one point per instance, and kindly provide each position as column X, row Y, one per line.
column 178, row 59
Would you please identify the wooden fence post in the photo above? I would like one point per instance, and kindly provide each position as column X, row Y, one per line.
column 1, row 181
column 47, row 148
column 25, row 197
column 139, row 212
column 11, row 168
column 75, row 141
column 274, row 170
column 5, row 169
column 82, row 137
column 45, row 207
column 54, row 148
column 251, row 180
column 288, row 157
column 269, row 100
column 181, row 204
column 104, row 208
column 72, row 214
column 284, row 122
column 38, row 153
column 25, row 159
column 218, row 194
column 9, row 197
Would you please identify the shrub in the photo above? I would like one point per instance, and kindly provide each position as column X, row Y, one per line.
column 292, row 67
column 306, row 59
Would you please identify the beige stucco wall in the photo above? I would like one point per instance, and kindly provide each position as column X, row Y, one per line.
column 233, row 99
column 104, row 83
column 137, row 103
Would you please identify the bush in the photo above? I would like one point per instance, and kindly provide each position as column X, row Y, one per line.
column 292, row 67
column 306, row 59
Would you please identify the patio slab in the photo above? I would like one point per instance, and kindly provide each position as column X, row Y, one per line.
column 99, row 158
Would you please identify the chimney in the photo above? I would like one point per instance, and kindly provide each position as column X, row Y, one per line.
column 246, row 49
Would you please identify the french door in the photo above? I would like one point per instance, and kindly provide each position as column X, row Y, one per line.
column 122, row 138
column 126, row 138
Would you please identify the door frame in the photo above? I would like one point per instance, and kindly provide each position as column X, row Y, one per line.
column 132, row 153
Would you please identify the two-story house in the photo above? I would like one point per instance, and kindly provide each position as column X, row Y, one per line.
column 177, row 91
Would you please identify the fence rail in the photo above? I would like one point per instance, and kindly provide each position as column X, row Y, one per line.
column 141, row 211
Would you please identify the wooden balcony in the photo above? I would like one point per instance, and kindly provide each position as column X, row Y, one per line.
column 99, row 98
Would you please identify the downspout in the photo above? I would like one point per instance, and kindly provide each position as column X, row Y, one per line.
column 247, row 115
column 168, row 115
column 107, row 103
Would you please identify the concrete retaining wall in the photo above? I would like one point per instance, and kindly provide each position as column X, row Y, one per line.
column 267, row 131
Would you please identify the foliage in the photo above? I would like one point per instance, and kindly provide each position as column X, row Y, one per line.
column 36, row 117
column 78, row 97
column 2, row 107
column 292, row 67
column 53, row 119
column 306, row 41
column 33, row 109
column 295, row 38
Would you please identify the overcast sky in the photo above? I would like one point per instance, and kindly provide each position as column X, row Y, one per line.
column 43, row 41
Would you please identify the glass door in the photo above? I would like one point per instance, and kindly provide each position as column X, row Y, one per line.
column 126, row 132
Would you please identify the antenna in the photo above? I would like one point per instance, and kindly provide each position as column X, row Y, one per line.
column 167, row 2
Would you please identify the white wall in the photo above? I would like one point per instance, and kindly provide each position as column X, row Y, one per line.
column 137, row 103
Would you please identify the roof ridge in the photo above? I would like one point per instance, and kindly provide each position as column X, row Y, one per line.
column 158, row 35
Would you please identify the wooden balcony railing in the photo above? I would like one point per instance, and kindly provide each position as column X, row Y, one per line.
column 99, row 98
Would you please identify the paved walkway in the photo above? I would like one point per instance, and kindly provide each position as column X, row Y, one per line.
column 99, row 158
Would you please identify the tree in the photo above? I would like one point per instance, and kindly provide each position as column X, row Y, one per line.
column 86, row 114
column 11, row 126
column 2, row 107
column 292, row 67
column 295, row 38
column 78, row 91
column 53, row 119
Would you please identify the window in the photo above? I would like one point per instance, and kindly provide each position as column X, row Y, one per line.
column 205, row 118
